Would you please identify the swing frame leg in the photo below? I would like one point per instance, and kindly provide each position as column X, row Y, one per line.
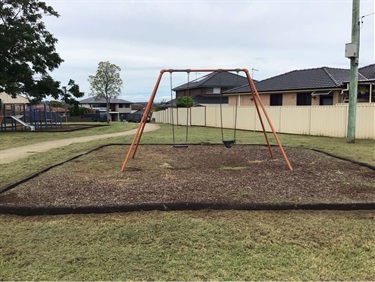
column 141, row 126
column 257, row 100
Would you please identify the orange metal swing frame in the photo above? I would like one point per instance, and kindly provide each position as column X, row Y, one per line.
column 257, row 101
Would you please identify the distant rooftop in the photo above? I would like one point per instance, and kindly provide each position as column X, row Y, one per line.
column 215, row 79
column 368, row 71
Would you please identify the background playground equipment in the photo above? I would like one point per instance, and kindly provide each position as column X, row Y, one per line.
column 23, row 117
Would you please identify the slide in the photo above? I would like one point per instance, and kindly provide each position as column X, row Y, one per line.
column 17, row 118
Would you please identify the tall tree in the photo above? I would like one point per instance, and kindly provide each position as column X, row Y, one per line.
column 70, row 93
column 106, row 83
column 27, row 49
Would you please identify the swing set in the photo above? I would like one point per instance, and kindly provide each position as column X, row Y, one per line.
column 227, row 143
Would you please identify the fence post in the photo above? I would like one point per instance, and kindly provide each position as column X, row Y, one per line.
column 45, row 116
column 12, row 113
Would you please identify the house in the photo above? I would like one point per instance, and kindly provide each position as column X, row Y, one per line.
column 7, row 99
column 207, row 90
column 118, row 107
column 136, row 113
column 10, row 106
column 307, row 87
column 366, row 88
column 45, row 105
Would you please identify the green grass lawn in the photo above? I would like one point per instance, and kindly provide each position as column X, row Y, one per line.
column 201, row 245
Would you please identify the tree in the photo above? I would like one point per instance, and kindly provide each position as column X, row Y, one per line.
column 27, row 49
column 106, row 83
column 185, row 102
column 56, row 104
column 71, row 92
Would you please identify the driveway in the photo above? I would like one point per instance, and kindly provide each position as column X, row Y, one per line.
column 14, row 154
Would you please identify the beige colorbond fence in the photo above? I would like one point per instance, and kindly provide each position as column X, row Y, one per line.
column 309, row 120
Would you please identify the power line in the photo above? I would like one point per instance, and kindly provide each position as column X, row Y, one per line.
column 367, row 15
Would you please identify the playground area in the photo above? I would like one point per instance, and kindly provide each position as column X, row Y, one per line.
column 18, row 117
column 195, row 174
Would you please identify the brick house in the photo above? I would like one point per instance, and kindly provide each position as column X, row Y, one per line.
column 308, row 87
column 206, row 90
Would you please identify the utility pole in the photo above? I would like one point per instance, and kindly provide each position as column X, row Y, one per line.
column 352, row 52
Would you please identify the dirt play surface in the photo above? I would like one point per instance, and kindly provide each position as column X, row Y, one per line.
column 199, row 173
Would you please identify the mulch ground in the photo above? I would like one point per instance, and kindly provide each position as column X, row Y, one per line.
column 199, row 173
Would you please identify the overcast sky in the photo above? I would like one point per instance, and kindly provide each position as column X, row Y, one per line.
column 143, row 37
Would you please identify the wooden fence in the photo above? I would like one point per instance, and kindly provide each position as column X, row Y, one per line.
column 308, row 120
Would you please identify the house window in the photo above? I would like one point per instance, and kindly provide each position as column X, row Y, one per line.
column 216, row 90
column 326, row 100
column 213, row 90
column 325, row 97
column 99, row 105
column 276, row 100
column 303, row 99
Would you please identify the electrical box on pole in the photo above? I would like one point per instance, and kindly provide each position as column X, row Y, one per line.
column 351, row 50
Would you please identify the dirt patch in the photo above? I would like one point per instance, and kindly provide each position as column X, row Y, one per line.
column 199, row 173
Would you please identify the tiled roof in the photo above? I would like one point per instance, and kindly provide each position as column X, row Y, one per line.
column 215, row 79
column 368, row 71
column 317, row 78
column 92, row 100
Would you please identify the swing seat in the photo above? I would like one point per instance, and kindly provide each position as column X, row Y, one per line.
column 229, row 143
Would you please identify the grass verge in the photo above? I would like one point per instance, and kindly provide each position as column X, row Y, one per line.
column 204, row 245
